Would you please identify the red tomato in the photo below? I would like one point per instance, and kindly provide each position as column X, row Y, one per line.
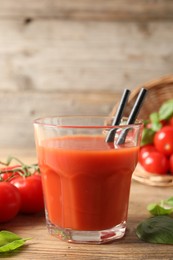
column 171, row 164
column 156, row 162
column 164, row 122
column 10, row 201
column 31, row 192
column 163, row 140
column 171, row 121
column 145, row 151
column 9, row 176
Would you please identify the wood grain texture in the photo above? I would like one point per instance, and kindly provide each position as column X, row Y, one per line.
column 44, row 246
column 111, row 10
column 18, row 110
column 52, row 56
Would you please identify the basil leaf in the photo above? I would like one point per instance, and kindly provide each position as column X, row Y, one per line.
column 158, row 230
column 170, row 201
column 7, row 237
column 156, row 209
column 166, row 110
column 164, row 207
column 155, row 121
column 9, row 241
column 147, row 136
column 12, row 246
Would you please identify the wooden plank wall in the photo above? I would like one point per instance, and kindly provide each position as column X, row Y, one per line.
column 76, row 57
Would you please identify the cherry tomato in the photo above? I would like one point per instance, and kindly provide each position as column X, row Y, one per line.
column 156, row 162
column 164, row 122
column 145, row 151
column 171, row 121
column 10, row 201
column 31, row 192
column 163, row 140
column 8, row 176
column 171, row 164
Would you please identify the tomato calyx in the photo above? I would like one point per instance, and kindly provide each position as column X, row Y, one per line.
column 9, row 171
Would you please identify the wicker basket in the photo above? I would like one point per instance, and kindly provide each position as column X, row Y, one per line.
column 159, row 91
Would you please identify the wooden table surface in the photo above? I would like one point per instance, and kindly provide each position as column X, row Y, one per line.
column 44, row 246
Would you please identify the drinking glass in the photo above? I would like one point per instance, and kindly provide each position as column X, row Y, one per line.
column 86, row 180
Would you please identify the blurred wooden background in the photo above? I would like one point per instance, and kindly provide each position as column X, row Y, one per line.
column 76, row 57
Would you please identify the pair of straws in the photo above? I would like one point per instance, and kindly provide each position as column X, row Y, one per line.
column 131, row 119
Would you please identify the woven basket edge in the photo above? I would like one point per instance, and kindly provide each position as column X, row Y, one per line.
column 165, row 80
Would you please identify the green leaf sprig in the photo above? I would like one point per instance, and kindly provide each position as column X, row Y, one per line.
column 164, row 113
column 9, row 241
column 166, row 110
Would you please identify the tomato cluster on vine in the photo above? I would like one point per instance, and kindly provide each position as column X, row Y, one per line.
column 20, row 190
column 156, row 152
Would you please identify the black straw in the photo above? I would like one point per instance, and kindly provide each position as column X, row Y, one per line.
column 137, row 106
column 117, row 118
column 133, row 115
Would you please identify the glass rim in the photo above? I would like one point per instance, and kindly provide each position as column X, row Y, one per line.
column 42, row 121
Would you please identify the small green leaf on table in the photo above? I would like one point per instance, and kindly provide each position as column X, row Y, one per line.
column 9, row 241
column 164, row 207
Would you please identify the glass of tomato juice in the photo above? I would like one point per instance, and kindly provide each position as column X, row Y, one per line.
column 86, row 180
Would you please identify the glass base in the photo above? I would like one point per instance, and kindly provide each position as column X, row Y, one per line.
column 87, row 237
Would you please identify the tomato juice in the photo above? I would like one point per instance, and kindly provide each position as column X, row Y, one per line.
column 86, row 181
